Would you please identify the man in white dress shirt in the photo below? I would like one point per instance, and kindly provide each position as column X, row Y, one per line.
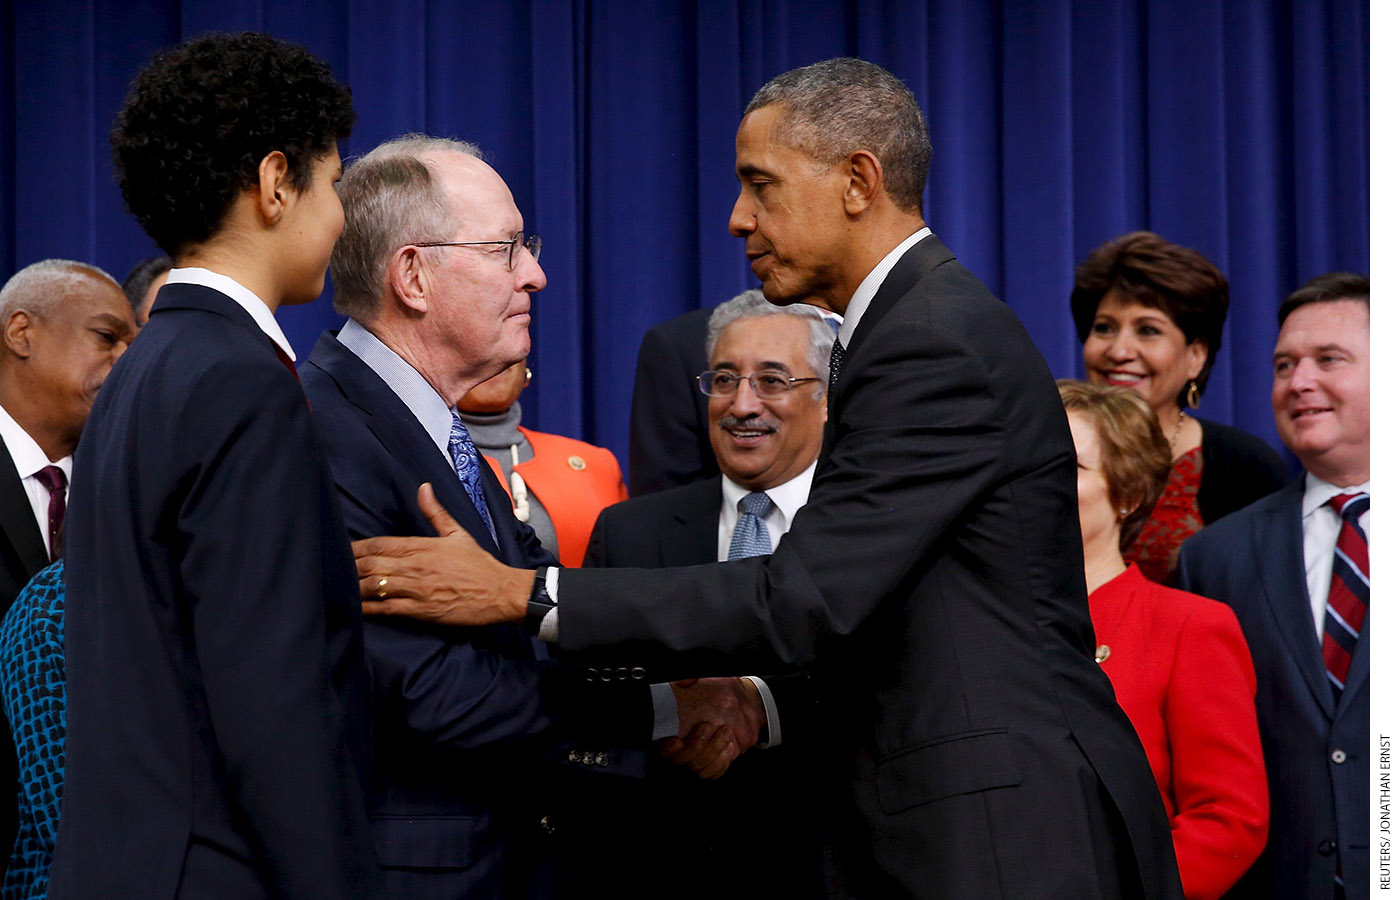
column 1295, row 568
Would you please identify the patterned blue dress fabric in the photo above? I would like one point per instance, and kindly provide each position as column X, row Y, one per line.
column 33, row 688
column 750, row 534
column 467, row 462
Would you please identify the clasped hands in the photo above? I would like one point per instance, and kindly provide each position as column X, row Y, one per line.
column 450, row 580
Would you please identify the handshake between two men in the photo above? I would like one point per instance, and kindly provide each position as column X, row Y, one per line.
column 450, row 580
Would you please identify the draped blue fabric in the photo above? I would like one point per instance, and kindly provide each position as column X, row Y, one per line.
column 1238, row 127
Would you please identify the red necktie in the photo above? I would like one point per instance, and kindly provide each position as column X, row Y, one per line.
column 1350, row 593
column 52, row 477
column 285, row 359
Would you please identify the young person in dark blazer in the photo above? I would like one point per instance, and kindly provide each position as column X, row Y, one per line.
column 1295, row 569
column 217, row 737
column 934, row 580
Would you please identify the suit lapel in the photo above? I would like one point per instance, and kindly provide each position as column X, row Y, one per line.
column 690, row 537
column 17, row 519
column 1278, row 537
column 399, row 432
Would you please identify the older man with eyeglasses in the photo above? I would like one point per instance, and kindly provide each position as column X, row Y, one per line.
column 474, row 728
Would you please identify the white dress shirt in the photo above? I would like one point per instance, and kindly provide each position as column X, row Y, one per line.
column 1321, row 526
column 29, row 459
column 787, row 498
column 255, row 307
column 871, row 284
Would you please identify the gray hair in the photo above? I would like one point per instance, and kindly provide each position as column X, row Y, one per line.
column 835, row 107
column 39, row 286
column 751, row 305
column 391, row 198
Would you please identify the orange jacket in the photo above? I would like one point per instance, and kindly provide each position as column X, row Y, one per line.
column 574, row 481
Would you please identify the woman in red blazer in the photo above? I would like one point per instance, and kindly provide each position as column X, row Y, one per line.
column 558, row 485
column 1178, row 661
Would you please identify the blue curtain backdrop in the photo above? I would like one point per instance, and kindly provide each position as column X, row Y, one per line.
column 1238, row 127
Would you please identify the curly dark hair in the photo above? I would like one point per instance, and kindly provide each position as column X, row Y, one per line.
column 1147, row 268
column 200, row 118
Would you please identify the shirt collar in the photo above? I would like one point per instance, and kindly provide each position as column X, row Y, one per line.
column 407, row 383
column 788, row 497
column 1317, row 492
column 870, row 286
column 255, row 307
column 28, row 456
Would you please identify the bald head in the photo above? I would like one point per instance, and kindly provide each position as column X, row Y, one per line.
column 64, row 324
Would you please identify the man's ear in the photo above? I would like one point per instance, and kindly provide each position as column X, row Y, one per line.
column 274, row 186
column 409, row 278
column 19, row 333
column 865, row 179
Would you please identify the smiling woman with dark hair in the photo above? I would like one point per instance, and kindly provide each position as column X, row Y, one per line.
column 1151, row 315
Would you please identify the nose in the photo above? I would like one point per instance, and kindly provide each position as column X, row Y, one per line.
column 1123, row 347
column 1303, row 378
column 741, row 217
column 745, row 401
column 529, row 274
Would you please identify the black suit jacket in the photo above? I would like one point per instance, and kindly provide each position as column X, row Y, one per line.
column 463, row 717
column 751, row 830
column 669, row 444
column 23, row 552
column 1316, row 748
column 217, row 699
column 935, row 583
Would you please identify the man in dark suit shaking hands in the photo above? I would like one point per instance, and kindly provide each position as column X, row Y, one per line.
column 1295, row 568
column 933, row 583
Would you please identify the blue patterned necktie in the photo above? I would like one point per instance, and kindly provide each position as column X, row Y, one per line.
column 838, row 356
column 750, row 534
column 468, row 465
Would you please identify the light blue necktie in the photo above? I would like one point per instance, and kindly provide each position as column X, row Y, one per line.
column 468, row 465
column 750, row 534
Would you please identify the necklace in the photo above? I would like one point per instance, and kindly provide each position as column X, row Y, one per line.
column 1180, row 421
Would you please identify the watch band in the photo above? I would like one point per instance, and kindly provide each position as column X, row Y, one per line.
column 540, row 602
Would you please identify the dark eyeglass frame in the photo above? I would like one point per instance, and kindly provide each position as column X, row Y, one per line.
column 534, row 243
column 768, row 391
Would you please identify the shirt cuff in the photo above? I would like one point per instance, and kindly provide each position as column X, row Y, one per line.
column 665, row 714
column 549, row 625
column 770, row 709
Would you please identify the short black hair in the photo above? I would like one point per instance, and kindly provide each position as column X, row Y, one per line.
column 1326, row 288
column 139, row 279
column 200, row 118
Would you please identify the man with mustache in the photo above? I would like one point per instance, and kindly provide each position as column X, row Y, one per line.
column 766, row 402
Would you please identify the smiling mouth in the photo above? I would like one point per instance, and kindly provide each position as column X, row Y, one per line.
column 1308, row 413
column 1123, row 378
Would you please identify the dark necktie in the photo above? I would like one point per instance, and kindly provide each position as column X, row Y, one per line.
column 1350, row 593
column 468, row 465
column 52, row 477
column 750, row 534
column 838, row 356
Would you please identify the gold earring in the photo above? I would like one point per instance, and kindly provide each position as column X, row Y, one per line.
column 1193, row 395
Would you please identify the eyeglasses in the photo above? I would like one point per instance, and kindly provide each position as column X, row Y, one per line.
column 769, row 385
column 533, row 243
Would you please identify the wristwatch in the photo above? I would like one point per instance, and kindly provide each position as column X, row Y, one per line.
column 540, row 602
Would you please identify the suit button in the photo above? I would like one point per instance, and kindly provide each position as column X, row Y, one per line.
column 638, row 673
column 1339, row 756
column 590, row 675
column 574, row 756
column 605, row 675
column 1326, row 848
column 601, row 759
column 588, row 759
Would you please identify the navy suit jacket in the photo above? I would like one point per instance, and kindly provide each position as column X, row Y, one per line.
column 463, row 717
column 217, row 695
column 752, row 829
column 934, row 583
column 669, row 441
column 1316, row 748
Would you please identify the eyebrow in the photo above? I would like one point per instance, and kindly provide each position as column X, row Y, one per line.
column 749, row 170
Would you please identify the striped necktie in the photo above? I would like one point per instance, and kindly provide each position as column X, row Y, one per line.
column 1350, row 593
